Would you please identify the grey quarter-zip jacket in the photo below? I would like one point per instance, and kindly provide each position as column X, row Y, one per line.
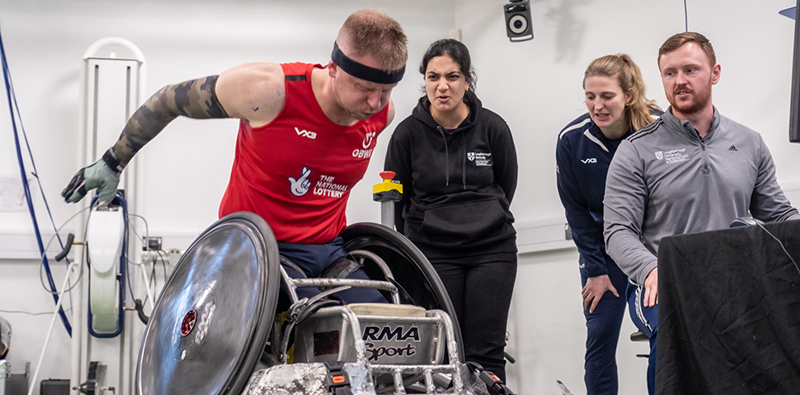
column 665, row 180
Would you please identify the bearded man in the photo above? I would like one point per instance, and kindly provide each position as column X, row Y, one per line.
column 692, row 170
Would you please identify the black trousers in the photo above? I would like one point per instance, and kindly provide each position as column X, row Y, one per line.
column 480, row 289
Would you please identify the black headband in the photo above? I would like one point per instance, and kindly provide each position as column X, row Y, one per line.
column 364, row 72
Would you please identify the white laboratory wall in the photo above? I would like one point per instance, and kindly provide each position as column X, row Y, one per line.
column 185, row 170
column 534, row 85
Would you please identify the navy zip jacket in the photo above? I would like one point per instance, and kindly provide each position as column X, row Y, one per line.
column 457, row 185
column 583, row 154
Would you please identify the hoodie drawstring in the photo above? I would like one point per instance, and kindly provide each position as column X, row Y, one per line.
column 447, row 159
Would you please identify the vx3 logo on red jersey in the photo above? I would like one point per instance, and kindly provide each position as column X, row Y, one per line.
column 305, row 133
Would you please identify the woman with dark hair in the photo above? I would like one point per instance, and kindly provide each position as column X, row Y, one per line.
column 614, row 94
column 458, row 165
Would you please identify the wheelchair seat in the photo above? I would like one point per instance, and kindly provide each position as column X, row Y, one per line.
column 386, row 310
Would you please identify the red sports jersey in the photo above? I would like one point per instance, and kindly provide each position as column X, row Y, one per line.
column 297, row 171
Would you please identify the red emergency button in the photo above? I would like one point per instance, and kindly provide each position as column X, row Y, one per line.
column 388, row 175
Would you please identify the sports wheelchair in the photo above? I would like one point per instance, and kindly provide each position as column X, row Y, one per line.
column 216, row 329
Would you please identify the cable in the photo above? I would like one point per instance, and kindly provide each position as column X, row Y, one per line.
column 146, row 227
column 12, row 104
column 139, row 237
column 71, row 287
column 153, row 280
column 58, row 308
column 164, row 260
column 130, row 286
column 85, row 251
column 686, row 15
column 25, row 312
column 148, row 289
column 781, row 244
column 146, row 247
column 58, row 231
column 128, row 279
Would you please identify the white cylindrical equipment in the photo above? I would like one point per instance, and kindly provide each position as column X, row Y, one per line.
column 112, row 88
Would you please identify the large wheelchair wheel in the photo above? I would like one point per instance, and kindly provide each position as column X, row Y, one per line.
column 411, row 269
column 214, row 315
column 213, row 319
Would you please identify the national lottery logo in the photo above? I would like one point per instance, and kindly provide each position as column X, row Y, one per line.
column 301, row 185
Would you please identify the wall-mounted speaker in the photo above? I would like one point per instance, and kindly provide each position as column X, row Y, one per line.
column 519, row 25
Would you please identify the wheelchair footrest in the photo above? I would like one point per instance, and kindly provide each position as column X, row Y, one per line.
column 432, row 379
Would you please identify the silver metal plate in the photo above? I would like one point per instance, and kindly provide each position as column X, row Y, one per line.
column 213, row 317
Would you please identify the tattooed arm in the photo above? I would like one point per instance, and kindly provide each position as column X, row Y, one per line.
column 253, row 92
column 194, row 99
column 245, row 91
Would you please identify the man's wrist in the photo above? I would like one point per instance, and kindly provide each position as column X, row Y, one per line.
column 113, row 161
column 641, row 275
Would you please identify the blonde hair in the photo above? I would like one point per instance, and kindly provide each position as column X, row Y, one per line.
column 374, row 33
column 638, row 110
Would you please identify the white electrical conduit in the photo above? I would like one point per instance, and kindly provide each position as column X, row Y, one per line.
column 147, row 288
column 63, row 288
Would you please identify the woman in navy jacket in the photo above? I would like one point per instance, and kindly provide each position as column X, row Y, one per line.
column 458, row 166
column 615, row 97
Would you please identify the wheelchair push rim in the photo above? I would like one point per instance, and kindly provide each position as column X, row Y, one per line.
column 214, row 315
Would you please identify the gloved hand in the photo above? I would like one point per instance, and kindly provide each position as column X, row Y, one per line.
column 103, row 175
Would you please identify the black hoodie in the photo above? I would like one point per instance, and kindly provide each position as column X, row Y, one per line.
column 457, row 185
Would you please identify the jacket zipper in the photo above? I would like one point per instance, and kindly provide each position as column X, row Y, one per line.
column 704, row 152
column 705, row 156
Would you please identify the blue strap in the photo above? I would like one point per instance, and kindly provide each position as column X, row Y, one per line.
column 12, row 104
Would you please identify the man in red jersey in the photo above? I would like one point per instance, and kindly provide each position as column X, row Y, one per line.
column 306, row 134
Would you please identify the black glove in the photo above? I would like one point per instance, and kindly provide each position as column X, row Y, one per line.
column 102, row 175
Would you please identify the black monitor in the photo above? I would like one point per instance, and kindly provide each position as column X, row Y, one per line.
column 794, row 114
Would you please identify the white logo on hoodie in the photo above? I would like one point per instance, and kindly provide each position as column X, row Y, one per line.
column 480, row 158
